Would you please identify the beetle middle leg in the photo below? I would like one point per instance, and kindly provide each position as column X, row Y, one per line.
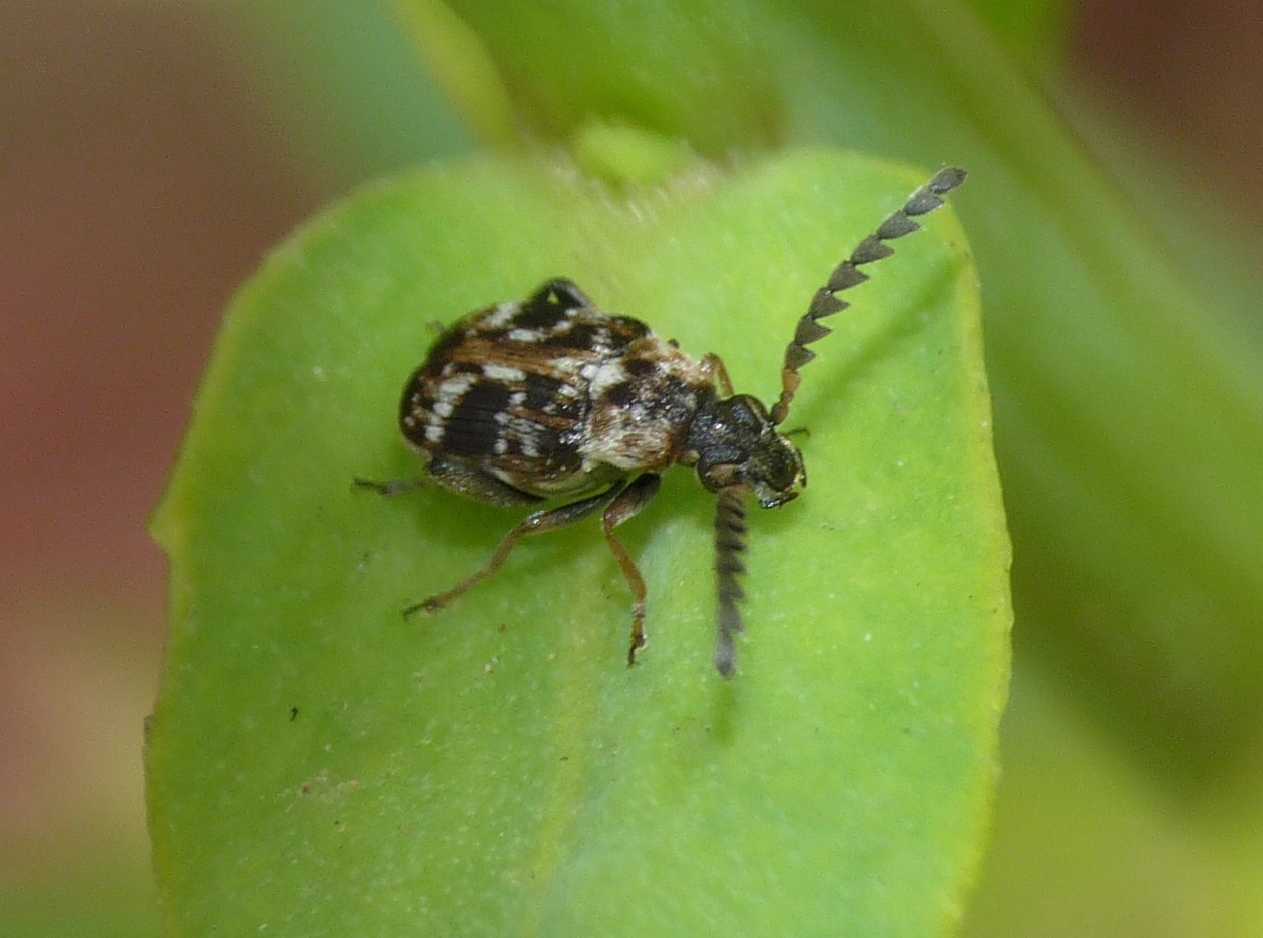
column 541, row 521
column 625, row 506
column 389, row 488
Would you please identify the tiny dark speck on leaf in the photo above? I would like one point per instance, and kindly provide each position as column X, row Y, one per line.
column 293, row 714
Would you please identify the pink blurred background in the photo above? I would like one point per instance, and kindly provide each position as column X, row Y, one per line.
column 150, row 153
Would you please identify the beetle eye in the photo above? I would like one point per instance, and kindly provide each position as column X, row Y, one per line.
column 777, row 499
column 778, row 467
column 785, row 471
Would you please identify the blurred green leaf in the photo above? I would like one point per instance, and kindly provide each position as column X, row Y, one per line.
column 1035, row 30
column 75, row 898
column 345, row 85
column 318, row 765
column 1129, row 436
column 1087, row 844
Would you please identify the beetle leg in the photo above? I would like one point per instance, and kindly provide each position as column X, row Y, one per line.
column 455, row 476
column 713, row 368
column 470, row 481
column 389, row 488
column 625, row 506
column 541, row 521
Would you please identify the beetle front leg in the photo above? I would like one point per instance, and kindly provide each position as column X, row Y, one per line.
column 626, row 505
column 714, row 369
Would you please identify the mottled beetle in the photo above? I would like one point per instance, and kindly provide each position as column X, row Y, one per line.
column 551, row 397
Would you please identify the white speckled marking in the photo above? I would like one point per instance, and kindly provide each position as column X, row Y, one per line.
column 503, row 373
column 607, row 375
column 454, row 388
column 502, row 316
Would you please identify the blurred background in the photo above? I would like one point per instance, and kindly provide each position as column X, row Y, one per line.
column 152, row 152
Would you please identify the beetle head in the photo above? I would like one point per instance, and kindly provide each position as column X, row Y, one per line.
column 738, row 445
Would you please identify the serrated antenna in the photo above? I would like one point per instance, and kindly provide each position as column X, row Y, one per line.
column 730, row 544
column 848, row 274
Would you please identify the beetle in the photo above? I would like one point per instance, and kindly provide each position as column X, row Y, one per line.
column 553, row 398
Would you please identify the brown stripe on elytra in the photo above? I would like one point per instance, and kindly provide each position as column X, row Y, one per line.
column 558, row 422
column 441, row 352
column 530, row 357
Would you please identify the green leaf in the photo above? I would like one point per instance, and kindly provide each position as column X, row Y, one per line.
column 320, row 766
column 1127, row 398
